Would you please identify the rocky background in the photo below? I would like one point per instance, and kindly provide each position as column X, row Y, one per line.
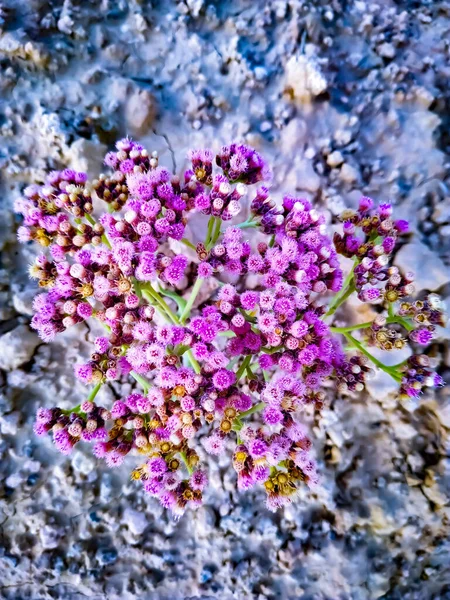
column 343, row 97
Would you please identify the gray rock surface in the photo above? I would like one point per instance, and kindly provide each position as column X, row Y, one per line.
column 17, row 347
column 343, row 98
column 431, row 273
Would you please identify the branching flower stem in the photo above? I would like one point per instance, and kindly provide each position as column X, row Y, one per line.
column 90, row 398
column 238, row 422
column 347, row 290
column 249, row 224
column 152, row 296
column 245, row 363
column 351, row 328
column 389, row 370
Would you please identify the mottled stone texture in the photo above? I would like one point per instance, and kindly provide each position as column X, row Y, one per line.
column 343, row 97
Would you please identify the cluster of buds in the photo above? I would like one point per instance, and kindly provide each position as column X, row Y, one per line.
column 237, row 371
column 384, row 337
column 86, row 423
column 113, row 190
column 417, row 375
column 241, row 163
column 45, row 208
column 352, row 373
column 425, row 315
column 162, row 478
column 375, row 279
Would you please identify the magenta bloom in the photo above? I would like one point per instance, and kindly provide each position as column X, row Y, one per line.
column 223, row 379
column 421, row 336
column 157, row 466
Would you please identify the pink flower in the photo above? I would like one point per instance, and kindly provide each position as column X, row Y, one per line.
column 223, row 379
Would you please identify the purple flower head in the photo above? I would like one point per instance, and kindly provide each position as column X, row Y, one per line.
column 272, row 416
column 114, row 459
column 249, row 300
column 175, row 271
column 63, row 441
column 205, row 270
column 245, row 480
column 146, row 268
column 156, row 466
column 119, row 409
column 365, row 204
column 154, row 486
column 257, row 448
column 401, row 226
column 240, row 162
column 83, row 372
column 44, row 415
column 421, row 336
column 40, row 428
column 190, row 363
column 214, row 444
column 223, row 379
column 198, row 480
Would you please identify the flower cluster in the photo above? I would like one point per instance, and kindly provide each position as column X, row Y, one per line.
column 374, row 277
column 237, row 371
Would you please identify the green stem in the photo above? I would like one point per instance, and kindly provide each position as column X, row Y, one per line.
column 90, row 219
column 164, row 304
column 145, row 383
column 69, row 411
column 189, row 244
column 227, row 334
column 340, row 299
column 90, row 398
column 347, row 289
column 180, row 302
column 216, row 234
column 152, row 296
column 351, row 327
column 389, row 370
column 194, row 292
column 390, row 320
column 94, row 392
column 400, row 321
column 399, row 365
column 193, row 362
column 151, row 300
column 106, row 241
column 247, row 225
column 391, row 310
column 209, row 231
column 243, row 367
column 185, row 460
column 271, row 350
column 254, row 409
